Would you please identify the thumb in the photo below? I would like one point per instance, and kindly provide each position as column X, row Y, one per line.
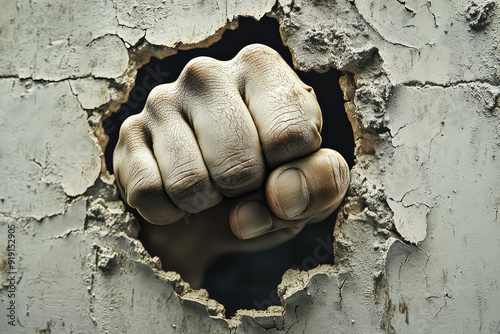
column 305, row 190
column 309, row 188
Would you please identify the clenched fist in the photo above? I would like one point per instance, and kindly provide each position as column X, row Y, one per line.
column 237, row 144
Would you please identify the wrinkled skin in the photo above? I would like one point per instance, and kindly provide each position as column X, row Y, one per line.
column 227, row 159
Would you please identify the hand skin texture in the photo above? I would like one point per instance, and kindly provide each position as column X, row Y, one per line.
column 227, row 159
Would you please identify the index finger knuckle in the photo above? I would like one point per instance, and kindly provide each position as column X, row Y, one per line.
column 291, row 137
column 142, row 190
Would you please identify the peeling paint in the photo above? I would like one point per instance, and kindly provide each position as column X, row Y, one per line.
column 416, row 240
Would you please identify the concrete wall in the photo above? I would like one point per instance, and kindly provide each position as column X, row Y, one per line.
column 417, row 241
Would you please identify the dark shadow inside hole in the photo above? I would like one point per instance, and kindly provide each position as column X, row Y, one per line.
column 249, row 280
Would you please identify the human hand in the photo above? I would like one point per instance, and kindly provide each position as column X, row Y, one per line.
column 241, row 137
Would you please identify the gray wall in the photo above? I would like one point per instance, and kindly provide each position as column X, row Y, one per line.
column 417, row 241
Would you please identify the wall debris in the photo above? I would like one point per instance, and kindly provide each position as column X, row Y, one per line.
column 416, row 242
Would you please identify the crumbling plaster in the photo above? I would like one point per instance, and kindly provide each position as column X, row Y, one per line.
column 417, row 240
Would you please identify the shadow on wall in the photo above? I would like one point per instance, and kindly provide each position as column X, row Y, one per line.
column 250, row 280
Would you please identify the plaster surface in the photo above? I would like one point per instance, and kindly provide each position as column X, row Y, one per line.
column 417, row 240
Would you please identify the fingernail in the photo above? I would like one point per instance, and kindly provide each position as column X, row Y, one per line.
column 292, row 193
column 253, row 219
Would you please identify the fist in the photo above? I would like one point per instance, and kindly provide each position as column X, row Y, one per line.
column 241, row 135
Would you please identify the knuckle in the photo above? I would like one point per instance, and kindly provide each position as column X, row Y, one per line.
column 142, row 191
column 257, row 53
column 156, row 94
column 200, row 71
column 160, row 99
column 131, row 135
column 291, row 137
column 130, row 126
column 186, row 184
column 239, row 171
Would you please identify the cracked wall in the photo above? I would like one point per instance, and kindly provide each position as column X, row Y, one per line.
column 417, row 238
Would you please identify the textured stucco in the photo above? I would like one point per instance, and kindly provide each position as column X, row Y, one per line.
column 417, row 239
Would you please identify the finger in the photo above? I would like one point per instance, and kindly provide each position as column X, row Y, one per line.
column 250, row 217
column 299, row 192
column 308, row 188
column 284, row 109
column 185, row 176
column 223, row 126
column 138, row 175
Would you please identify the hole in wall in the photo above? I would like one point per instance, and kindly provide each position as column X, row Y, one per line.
column 249, row 280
